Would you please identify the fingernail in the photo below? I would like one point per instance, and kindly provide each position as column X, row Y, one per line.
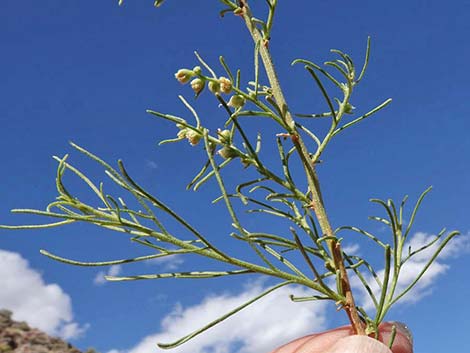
column 404, row 329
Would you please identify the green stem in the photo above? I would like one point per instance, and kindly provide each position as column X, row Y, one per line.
column 313, row 182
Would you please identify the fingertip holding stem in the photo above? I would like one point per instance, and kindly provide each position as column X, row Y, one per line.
column 343, row 340
column 403, row 342
column 404, row 329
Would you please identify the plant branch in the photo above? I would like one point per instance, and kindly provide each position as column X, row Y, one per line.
column 316, row 199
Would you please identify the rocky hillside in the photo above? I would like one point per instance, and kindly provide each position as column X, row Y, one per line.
column 18, row 337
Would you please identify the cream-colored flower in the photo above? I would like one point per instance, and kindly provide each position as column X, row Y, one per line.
column 197, row 85
column 227, row 152
column 184, row 75
column 225, row 136
column 193, row 137
column 225, row 85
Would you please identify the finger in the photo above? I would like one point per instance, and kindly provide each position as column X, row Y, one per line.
column 319, row 343
column 403, row 342
column 358, row 344
column 293, row 345
column 316, row 343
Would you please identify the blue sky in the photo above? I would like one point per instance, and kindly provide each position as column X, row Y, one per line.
column 86, row 71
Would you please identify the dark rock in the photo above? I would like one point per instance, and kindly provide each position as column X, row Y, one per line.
column 18, row 337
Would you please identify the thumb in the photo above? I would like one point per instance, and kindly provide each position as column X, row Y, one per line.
column 358, row 344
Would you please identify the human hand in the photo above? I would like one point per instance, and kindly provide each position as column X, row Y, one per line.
column 342, row 340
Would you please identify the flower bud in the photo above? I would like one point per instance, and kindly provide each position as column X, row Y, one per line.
column 197, row 70
column 197, row 85
column 182, row 133
column 214, row 86
column 247, row 162
column 348, row 108
column 225, row 85
column 236, row 101
column 193, row 137
column 330, row 265
column 238, row 11
column 227, row 152
column 225, row 136
column 184, row 75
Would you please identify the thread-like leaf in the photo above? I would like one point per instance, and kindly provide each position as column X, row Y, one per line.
column 220, row 319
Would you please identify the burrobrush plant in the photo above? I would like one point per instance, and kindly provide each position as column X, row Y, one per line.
column 274, row 188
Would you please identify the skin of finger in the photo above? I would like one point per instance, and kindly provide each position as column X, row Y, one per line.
column 318, row 343
column 401, row 344
column 358, row 344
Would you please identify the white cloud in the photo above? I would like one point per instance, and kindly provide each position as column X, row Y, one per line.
column 151, row 164
column 260, row 327
column 167, row 263
column 458, row 246
column 72, row 330
column 414, row 266
column 113, row 270
column 41, row 305
column 351, row 249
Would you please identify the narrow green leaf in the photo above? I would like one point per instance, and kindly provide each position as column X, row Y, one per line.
column 323, row 91
column 37, row 226
column 366, row 61
column 426, row 267
column 317, row 67
column 415, row 211
column 205, row 65
column 186, row 275
column 226, row 68
column 220, row 319
column 100, row 263
column 365, row 116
